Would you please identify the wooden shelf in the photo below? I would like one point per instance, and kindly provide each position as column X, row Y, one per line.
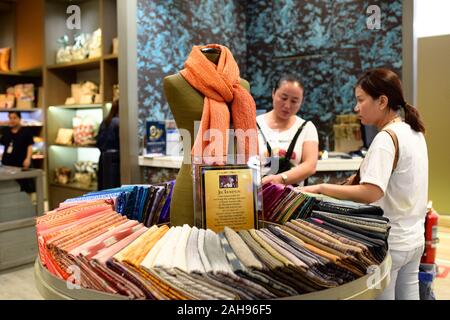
column 34, row 72
column 10, row 73
column 79, row 106
column 38, row 157
column 87, row 64
column 111, row 57
column 73, row 146
column 24, row 126
column 21, row 110
column 75, row 186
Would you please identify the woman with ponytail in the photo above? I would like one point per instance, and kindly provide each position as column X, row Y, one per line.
column 393, row 175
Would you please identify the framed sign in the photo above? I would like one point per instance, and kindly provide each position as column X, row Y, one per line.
column 226, row 196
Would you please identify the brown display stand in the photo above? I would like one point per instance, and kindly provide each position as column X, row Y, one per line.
column 53, row 288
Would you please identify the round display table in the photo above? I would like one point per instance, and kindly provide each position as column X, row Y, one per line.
column 364, row 288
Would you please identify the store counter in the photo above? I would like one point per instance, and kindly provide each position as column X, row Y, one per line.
column 365, row 288
column 18, row 214
column 174, row 162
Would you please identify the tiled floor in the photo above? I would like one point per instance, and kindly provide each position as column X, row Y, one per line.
column 18, row 284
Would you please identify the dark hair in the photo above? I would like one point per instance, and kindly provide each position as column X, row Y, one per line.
column 289, row 78
column 382, row 81
column 17, row 113
column 114, row 112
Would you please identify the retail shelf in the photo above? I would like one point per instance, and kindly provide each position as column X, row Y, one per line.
column 10, row 73
column 21, row 110
column 87, row 64
column 25, row 125
column 110, row 57
column 79, row 106
column 34, row 72
column 72, row 146
column 175, row 162
column 75, row 186
column 38, row 157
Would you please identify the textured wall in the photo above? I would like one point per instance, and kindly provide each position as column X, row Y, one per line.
column 167, row 30
column 326, row 43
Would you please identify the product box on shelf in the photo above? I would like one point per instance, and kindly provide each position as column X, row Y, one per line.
column 174, row 144
column 155, row 137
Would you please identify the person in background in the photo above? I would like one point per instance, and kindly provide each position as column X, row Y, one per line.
column 108, row 141
column 18, row 147
column 399, row 187
column 285, row 137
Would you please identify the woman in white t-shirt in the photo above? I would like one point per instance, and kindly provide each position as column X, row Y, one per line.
column 289, row 145
column 401, row 190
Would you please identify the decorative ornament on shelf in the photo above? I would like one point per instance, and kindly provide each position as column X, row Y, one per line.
column 62, row 175
column 7, row 101
column 80, row 50
column 5, row 57
column 85, row 173
column 95, row 44
column 84, row 131
column 84, row 93
column 64, row 137
column 64, row 53
column 86, row 45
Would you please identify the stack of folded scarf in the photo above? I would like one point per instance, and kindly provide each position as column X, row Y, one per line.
column 148, row 204
column 360, row 222
column 118, row 255
column 282, row 203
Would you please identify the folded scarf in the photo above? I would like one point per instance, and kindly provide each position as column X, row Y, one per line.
column 220, row 84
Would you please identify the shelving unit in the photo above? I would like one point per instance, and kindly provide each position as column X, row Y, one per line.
column 75, row 186
column 34, row 47
column 58, row 80
column 26, row 42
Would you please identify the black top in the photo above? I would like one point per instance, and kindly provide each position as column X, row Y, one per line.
column 108, row 138
column 16, row 145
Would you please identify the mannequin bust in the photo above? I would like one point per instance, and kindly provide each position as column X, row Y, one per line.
column 186, row 104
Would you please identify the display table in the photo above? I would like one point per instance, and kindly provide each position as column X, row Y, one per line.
column 174, row 162
column 365, row 288
column 18, row 244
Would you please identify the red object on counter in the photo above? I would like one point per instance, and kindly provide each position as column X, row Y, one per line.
column 431, row 238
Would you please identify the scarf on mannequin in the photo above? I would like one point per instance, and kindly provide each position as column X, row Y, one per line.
column 220, row 84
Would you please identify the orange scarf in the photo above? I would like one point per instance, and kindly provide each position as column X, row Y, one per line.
column 220, row 84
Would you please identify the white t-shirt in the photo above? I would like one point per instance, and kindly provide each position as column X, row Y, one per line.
column 280, row 141
column 406, row 190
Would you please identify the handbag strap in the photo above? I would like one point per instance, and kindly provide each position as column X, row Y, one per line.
column 292, row 144
column 294, row 141
column 395, row 140
column 396, row 157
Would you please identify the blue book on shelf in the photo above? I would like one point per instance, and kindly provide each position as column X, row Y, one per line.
column 155, row 137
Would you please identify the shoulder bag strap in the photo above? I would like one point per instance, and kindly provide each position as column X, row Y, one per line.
column 394, row 138
column 294, row 141
column 269, row 149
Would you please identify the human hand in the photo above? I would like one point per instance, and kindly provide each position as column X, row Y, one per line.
column 276, row 179
column 26, row 163
column 317, row 189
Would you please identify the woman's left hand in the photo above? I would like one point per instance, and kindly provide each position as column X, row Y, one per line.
column 312, row 189
column 274, row 178
column 26, row 163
